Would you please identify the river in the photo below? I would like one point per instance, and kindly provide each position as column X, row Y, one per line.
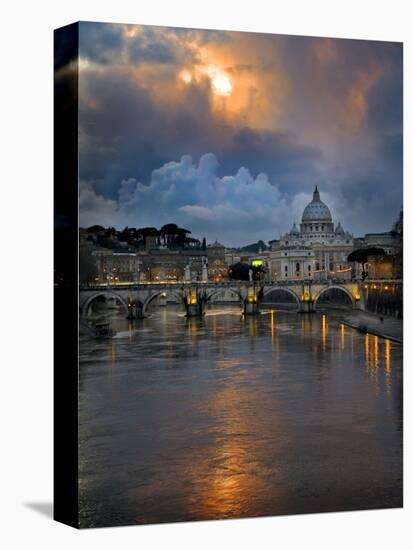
column 224, row 417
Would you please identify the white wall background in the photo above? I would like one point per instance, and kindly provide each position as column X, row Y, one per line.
column 26, row 271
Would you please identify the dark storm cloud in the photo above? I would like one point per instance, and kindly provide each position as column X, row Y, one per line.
column 104, row 44
column 359, row 117
column 100, row 42
column 377, row 191
column 151, row 46
column 339, row 125
column 121, row 143
column 385, row 112
column 278, row 154
column 143, row 50
column 200, row 36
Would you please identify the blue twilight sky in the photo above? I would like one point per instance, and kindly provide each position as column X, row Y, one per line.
column 227, row 133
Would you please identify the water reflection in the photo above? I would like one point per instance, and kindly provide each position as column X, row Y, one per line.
column 113, row 353
column 192, row 324
column 230, row 483
column 324, row 332
column 273, row 328
column 252, row 323
column 376, row 351
column 185, row 418
column 388, row 364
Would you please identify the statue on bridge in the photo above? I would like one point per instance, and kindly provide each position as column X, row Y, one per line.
column 187, row 273
column 204, row 269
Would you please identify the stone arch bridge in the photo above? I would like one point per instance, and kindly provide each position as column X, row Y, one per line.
column 136, row 298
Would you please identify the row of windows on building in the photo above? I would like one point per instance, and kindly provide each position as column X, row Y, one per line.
column 331, row 241
column 317, row 268
column 316, row 227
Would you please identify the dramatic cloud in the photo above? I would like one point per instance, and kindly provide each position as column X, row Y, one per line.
column 194, row 196
column 303, row 111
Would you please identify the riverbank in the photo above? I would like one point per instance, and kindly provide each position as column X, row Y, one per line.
column 388, row 327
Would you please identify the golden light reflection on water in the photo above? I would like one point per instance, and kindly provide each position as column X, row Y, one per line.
column 236, row 474
column 324, row 332
column 307, row 325
column 368, row 355
column 387, row 364
column 274, row 335
column 272, row 328
column 226, row 448
column 342, row 337
column 376, row 352
column 272, row 324
column 192, row 324
column 252, row 326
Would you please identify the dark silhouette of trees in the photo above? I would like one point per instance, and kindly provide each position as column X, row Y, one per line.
column 241, row 272
column 361, row 256
column 255, row 247
column 170, row 235
column 95, row 229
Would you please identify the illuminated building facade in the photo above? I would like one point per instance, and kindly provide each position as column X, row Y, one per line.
column 148, row 266
column 217, row 266
column 317, row 251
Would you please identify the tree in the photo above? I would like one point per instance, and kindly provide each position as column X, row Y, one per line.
column 169, row 228
column 168, row 232
column 240, row 272
column 361, row 256
column 95, row 229
column 180, row 239
column 255, row 247
column 204, row 244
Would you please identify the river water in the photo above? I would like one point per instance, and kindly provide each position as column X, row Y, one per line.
column 223, row 417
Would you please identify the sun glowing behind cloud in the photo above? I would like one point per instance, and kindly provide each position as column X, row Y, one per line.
column 185, row 76
column 221, row 83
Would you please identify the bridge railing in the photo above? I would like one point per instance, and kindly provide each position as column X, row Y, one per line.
column 213, row 284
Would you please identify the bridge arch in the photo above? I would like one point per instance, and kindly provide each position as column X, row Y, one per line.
column 106, row 294
column 158, row 293
column 335, row 287
column 214, row 292
column 283, row 289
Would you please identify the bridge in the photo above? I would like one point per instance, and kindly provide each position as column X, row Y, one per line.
column 136, row 298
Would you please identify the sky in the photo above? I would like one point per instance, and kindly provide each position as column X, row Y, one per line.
column 227, row 133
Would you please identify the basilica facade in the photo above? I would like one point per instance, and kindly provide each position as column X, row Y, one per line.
column 317, row 250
